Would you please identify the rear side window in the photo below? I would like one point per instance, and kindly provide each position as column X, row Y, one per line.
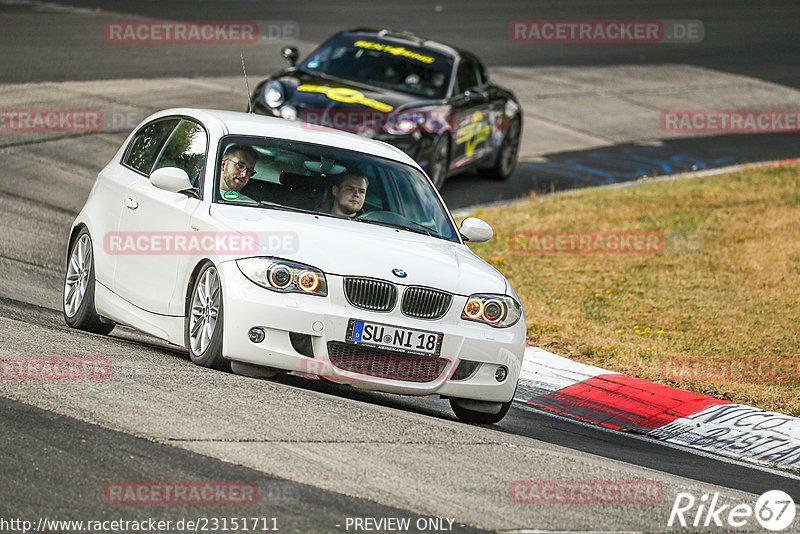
column 186, row 149
column 147, row 144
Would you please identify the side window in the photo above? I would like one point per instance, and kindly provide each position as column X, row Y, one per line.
column 483, row 77
column 146, row 145
column 186, row 149
column 467, row 75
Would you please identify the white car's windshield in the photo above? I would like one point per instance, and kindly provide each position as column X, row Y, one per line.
column 281, row 174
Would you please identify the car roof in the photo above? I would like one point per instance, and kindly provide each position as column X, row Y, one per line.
column 238, row 123
column 410, row 39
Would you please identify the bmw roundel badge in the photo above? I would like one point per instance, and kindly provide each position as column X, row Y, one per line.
column 399, row 272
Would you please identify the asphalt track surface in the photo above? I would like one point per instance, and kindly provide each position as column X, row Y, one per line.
column 319, row 452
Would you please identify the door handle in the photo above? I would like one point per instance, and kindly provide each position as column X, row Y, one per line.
column 131, row 203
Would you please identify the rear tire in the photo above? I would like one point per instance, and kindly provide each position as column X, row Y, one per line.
column 467, row 415
column 507, row 158
column 78, row 297
column 203, row 330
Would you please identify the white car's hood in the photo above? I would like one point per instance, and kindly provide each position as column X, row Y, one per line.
column 352, row 248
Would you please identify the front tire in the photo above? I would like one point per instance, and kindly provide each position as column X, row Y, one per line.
column 79, row 284
column 507, row 158
column 203, row 331
column 468, row 415
column 439, row 162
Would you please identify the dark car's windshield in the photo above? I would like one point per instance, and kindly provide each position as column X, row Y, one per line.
column 280, row 174
column 373, row 61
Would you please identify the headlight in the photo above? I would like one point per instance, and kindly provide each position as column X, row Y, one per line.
column 404, row 122
column 284, row 276
column 273, row 94
column 289, row 113
column 500, row 311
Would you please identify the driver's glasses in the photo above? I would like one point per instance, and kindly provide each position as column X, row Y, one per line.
column 241, row 167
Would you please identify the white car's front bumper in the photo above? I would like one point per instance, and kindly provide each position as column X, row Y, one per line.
column 325, row 319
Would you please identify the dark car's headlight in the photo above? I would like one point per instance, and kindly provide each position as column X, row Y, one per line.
column 500, row 311
column 402, row 124
column 284, row 276
column 273, row 94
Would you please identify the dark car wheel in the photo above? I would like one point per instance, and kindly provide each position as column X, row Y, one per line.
column 203, row 331
column 507, row 158
column 439, row 161
column 78, row 301
column 468, row 415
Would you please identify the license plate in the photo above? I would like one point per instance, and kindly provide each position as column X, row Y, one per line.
column 388, row 337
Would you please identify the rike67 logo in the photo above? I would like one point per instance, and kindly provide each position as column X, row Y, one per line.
column 774, row 511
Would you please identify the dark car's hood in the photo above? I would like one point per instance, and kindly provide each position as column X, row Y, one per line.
column 314, row 96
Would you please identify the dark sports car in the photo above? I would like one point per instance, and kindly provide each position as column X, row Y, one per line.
column 430, row 100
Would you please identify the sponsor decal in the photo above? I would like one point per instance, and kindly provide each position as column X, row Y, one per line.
column 472, row 133
column 345, row 95
column 394, row 50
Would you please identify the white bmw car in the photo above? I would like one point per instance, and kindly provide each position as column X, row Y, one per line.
column 262, row 245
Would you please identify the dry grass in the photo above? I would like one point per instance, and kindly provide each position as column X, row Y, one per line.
column 717, row 311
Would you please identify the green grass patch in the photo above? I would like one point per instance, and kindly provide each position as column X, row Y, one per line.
column 724, row 287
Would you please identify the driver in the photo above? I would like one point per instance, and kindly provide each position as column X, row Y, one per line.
column 349, row 193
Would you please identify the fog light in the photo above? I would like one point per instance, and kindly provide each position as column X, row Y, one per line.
column 500, row 374
column 256, row 335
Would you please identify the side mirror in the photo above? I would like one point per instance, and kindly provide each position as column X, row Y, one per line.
column 290, row 54
column 475, row 230
column 171, row 179
column 475, row 95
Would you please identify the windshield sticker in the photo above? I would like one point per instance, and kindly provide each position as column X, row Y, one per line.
column 346, row 95
column 230, row 195
column 394, row 50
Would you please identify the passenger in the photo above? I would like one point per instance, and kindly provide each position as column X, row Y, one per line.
column 238, row 166
column 349, row 193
